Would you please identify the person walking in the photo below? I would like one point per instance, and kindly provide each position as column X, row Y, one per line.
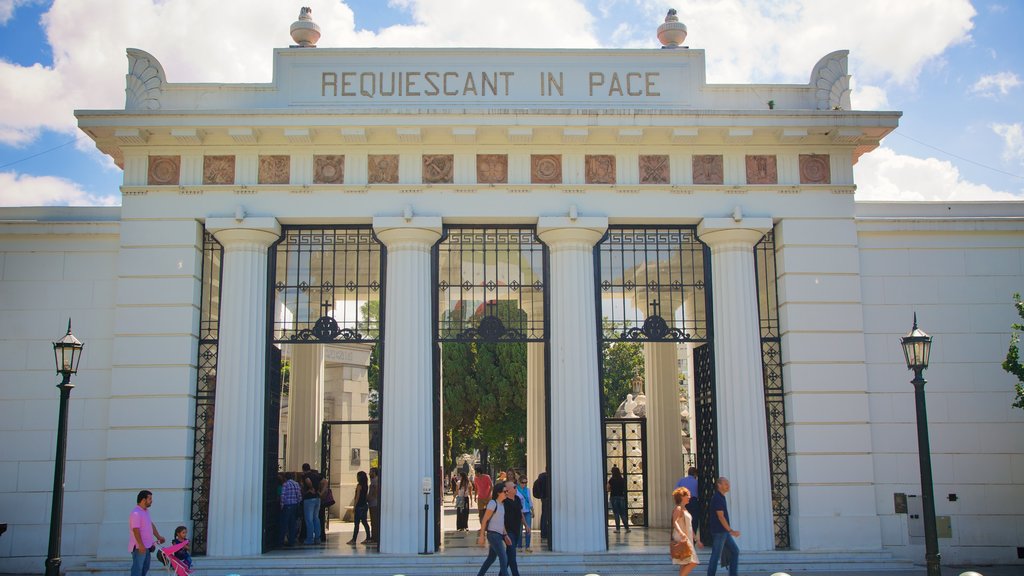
column 373, row 500
column 682, row 530
column 291, row 497
column 616, row 488
column 492, row 532
column 462, row 504
column 142, row 533
column 360, row 507
column 722, row 534
column 694, row 508
column 527, row 499
column 514, row 524
column 482, row 486
column 311, row 504
column 541, row 491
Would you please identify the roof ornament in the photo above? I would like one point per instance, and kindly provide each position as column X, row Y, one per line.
column 304, row 31
column 144, row 81
column 831, row 81
column 673, row 32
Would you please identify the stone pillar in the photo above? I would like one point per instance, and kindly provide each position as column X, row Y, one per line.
column 536, row 430
column 577, row 474
column 664, row 430
column 305, row 406
column 739, row 386
column 236, row 483
column 408, row 452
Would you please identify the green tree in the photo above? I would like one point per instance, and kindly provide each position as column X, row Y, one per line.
column 371, row 318
column 1012, row 362
column 621, row 363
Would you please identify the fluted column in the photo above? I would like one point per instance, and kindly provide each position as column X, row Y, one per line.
column 305, row 406
column 664, row 430
column 536, row 430
column 739, row 386
column 236, row 484
column 577, row 475
column 408, row 451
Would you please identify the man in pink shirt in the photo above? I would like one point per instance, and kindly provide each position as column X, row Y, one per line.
column 482, row 486
column 141, row 534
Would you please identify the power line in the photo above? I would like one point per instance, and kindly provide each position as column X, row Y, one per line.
column 958, row 157
column 47, row 151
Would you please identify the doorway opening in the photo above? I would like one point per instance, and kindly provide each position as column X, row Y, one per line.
column 490, row 375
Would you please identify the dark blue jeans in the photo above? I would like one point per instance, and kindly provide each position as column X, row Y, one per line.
column 289, row 517
column 496, row 549
column 359, row 515
column 721, row 540
column 140, row 562
column 513, row 566
column 619, row 511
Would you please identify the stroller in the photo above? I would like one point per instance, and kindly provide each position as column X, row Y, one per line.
column 174, row 565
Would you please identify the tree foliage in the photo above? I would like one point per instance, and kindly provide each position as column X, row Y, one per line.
column 1012, row 363
column 621, row 363
column 484, row 393
column 371, row 316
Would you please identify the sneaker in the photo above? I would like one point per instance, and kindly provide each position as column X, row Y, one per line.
column 627, row 530
column 351, row 542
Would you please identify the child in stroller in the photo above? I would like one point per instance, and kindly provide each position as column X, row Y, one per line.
column 176, row 556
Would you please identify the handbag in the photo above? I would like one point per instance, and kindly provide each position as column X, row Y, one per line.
column 328, row 497
column 680, row 550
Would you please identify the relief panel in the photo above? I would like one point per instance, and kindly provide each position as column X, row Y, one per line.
column 438, row 168
column 382, row 169
column 708, row 169
column 654, row 169
column 164, row 170
column 492, row 168
column 218, row 169
column 815, row 169
column 274, row 170
column 762, row 169
column 600, row 169
column 546, row 168
column 329, row 169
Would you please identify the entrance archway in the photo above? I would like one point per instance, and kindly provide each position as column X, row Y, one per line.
column 490, row 291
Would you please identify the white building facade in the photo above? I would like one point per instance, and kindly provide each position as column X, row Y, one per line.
column 572, row 150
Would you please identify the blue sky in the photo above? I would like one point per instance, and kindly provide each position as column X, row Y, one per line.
column 955, row 68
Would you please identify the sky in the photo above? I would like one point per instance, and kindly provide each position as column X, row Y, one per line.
column 955, row 68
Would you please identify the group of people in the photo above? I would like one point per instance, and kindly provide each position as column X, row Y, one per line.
column 506, row 516
column 143, row 537
column 686, row 522
column 309, row 492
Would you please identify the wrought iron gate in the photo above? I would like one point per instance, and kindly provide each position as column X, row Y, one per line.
column 625, row 446
column 707, row 431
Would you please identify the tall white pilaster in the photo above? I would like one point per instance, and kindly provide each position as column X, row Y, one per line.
column 739, row 386
column 305, row 406
column 664, row 430
column 536, row 429
column 408, row 451
column 577, row 476
column 236, row 483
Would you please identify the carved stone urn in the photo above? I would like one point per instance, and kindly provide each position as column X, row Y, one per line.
column 305, row 32
column 673, row 32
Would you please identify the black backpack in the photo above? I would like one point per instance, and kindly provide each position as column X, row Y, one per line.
column 540, row 486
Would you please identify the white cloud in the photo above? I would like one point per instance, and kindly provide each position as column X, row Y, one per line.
column 1013, row 141
column 885, row 175
column 867, row 97
column 26, row 190
column 1001, row 82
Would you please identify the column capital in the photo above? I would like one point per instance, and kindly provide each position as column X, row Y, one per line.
column 399, row 233
column 722, row 232
column 262, row 231
column 585, row 232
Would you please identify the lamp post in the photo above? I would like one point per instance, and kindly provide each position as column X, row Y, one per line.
column 917, row 347
column 67, row 352
column 426, row 513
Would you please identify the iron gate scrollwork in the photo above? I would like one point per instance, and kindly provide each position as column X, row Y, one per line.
column 206, row 388
column 774, row 393
column 625, row 446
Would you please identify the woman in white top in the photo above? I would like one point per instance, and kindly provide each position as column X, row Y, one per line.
column 492, row 532
column 682, row 530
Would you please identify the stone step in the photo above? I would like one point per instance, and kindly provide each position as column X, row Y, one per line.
column 304, row 563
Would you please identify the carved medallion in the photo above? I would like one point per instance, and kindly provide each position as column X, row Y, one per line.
column 708, row 169
column 438, row 168
column 600, row 169
column 218, row 169
column 274, row 170
column 329, row 169
column 654, row 169
column 546, row 168
column 815, row 169
column 382, row 169
column 492, row 168
column 762, row 170
column 164, row 170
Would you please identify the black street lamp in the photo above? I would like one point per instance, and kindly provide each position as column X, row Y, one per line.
column 917, row 347
column 67, row 352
